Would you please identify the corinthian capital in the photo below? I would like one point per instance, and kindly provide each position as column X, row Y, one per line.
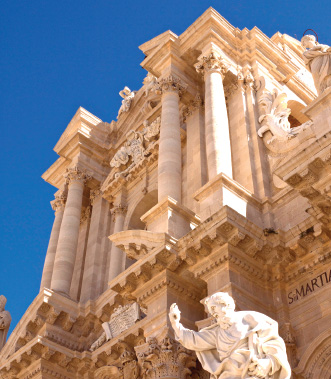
column 211, row 63
column 95, row 194
column 170, row 84
column 75, row 174
column 119, row 209
column 59, row 203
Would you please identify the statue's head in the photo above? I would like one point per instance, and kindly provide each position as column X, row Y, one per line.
column 3, row 302
column 308, row 41
column 221, row 306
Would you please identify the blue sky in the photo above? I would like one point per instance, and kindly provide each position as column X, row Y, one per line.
column 59, row 55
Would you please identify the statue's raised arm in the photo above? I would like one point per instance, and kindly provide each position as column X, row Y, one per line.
column 240, row 345
column 317, row 58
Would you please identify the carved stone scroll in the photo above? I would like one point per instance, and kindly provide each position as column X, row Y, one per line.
column 121, row 319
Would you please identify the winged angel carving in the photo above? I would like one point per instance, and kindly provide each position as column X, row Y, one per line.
column 274, row 115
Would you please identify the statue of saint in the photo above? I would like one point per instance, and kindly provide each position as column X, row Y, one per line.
column 240, row 345
column 318, row 61
column 127, row 96
column 5, row 320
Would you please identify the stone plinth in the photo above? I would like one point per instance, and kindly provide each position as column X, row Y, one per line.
column 170, row 217
column 223, row 190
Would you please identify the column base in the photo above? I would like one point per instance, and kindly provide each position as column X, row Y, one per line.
column 170, row 217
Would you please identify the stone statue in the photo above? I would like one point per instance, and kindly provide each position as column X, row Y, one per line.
column 5, row 320
column 318, row 61
column 274, row 115
column 127, row 96
column 240, row 345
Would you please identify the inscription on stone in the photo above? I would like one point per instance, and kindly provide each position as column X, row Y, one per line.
column 309, row 287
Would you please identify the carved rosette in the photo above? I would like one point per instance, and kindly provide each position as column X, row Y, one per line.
column 74, row 174
column 211, row 63
column 170, row 84
column 164, row 359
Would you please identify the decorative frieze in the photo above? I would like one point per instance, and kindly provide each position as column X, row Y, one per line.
column 211, row 63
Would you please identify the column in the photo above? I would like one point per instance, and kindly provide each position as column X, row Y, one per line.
column 196, row 169
column 169, row 161
column 68, row 238
column 92, row 284
column 58, row 206
column 218, row 145
column 117, row 256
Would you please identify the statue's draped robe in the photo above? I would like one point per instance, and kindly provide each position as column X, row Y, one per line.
column 5, row 320
column 227, row 353
column 318, row 62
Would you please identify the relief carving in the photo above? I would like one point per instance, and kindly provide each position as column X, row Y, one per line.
column 164, row 359
column 134, row 147
column 274, row 115
column 121, row 319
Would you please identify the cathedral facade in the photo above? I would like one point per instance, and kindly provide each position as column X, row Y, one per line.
column 215, row 176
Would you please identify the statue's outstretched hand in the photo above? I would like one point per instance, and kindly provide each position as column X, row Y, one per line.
column 260, row 368
column 174, row 313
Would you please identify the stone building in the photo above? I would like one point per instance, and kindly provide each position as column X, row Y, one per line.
column 215, row 177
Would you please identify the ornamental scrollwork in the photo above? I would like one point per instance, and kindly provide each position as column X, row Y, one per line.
column 134, row 148
column 274, row 115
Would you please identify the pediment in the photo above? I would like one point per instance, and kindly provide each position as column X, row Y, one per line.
column 83, row 121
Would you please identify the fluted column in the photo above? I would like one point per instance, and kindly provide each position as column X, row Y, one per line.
column 218, row 147
column 68, row 238
column 169, row 161
column 117, row 257
column 58, row 206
